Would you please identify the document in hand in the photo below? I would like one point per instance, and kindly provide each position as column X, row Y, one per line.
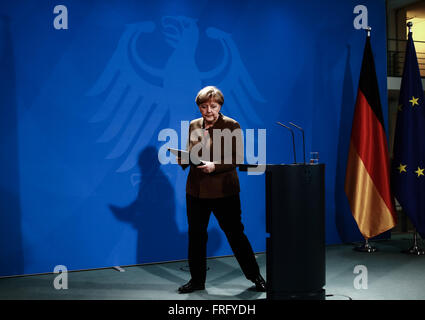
column 185, row 157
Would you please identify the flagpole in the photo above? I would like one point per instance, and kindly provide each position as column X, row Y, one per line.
column 415, row 249
column 365, row 247
column 368, row 29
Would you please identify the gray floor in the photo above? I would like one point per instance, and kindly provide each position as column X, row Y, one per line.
column 391, row 275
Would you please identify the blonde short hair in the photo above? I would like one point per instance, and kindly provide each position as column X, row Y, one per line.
column 207, row 93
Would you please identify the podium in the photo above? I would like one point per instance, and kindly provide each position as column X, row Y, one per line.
column 295, row 222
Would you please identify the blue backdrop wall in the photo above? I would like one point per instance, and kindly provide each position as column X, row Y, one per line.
column 81, row 109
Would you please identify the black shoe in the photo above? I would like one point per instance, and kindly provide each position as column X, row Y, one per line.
column 260, row 283
column 191, row 286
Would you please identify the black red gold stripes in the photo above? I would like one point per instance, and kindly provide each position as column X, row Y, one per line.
column 367, row 181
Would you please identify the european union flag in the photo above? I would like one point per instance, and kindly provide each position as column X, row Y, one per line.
column 408, row 169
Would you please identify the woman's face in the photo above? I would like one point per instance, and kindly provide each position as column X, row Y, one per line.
column 210, row 110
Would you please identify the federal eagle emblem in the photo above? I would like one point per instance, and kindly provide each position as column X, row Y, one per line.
column 139, row 95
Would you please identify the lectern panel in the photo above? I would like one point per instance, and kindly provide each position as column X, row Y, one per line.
column 295, row 215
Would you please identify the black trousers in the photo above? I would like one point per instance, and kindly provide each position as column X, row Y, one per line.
column 228, row 214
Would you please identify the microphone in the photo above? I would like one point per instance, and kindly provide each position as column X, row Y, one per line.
column 293, row 139
column 301, row 129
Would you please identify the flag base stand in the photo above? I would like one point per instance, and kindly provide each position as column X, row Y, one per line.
column 365, row 247
column 415, row 249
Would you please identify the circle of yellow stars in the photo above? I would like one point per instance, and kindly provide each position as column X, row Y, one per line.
column 403, row 168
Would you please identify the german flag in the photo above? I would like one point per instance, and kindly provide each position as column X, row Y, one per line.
column 367, row 178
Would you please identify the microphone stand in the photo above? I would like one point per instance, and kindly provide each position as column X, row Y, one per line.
column 301, row 129
column 293, row 140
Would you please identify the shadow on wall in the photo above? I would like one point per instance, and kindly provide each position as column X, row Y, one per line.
column 11, row 252
column 153, row 215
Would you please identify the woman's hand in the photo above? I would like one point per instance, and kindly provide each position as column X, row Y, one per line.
column 208, row 167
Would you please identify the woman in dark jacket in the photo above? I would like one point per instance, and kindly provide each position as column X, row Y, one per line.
column 213, row 186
